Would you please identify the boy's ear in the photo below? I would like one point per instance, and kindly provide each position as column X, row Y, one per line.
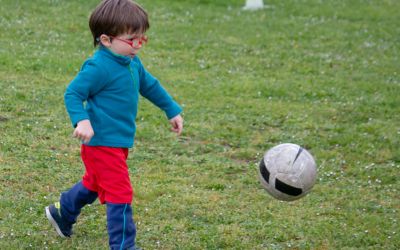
column 105, row 40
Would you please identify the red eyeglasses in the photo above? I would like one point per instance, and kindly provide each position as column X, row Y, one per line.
column 135, row 42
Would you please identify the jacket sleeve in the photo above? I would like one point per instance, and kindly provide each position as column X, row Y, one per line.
column 152, row 90
column 90, row 80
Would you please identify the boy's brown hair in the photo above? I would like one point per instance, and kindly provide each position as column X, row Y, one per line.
column 115, row 17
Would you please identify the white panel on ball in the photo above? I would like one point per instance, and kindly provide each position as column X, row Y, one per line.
column 253, row 5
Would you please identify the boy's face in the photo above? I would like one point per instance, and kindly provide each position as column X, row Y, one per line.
column 125, row 44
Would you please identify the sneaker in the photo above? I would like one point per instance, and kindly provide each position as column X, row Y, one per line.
column 53, row 213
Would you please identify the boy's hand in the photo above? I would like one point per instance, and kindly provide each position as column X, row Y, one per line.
column 177, row 124
column 84, row 131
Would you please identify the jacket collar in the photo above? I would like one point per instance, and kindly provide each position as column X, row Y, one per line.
column 124, row 60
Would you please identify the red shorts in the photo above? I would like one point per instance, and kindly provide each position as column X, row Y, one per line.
column 107, row 173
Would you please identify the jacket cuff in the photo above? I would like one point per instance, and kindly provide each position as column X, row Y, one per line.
column 173, row 111
column 78, row 118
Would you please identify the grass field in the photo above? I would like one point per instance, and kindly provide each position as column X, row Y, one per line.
column 322, row 74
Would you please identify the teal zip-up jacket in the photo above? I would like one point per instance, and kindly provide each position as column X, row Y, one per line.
column 106, row 91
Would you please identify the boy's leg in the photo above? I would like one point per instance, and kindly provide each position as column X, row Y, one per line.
column 115, row 190
column 63, row 214
column 74, row 199
column 121, row 227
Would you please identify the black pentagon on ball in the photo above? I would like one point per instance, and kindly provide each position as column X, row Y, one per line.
column 264, row 171
column 287, row 189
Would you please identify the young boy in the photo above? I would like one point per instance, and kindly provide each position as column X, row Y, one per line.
column 102, row 103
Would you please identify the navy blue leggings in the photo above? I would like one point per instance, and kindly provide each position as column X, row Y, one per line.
column 120, row 224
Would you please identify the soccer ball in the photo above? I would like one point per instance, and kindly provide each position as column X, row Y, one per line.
column 287, row 171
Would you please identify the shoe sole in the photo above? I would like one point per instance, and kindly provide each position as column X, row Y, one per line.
column 54, row 223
